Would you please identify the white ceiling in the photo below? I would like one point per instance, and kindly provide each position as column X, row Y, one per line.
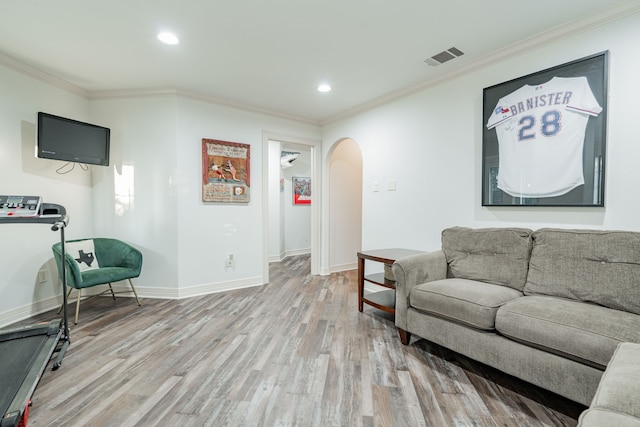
column 270, row 55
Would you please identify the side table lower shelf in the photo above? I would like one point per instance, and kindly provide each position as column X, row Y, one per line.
column 384, row 300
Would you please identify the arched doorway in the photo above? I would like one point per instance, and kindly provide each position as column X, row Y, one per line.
column 344, row 166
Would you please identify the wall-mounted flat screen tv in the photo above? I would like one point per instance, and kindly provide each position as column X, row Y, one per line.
column 69, row 140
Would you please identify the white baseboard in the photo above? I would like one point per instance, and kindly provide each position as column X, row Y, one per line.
column 276, row 258
column 344, row 267
column 26, row 311
column 123, row 289
column 292, row 252
column 187, row 292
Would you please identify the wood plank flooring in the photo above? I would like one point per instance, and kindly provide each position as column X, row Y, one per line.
column 295, row 352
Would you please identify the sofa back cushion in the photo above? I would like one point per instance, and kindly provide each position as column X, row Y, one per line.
column 493, row 255
column 601, row 267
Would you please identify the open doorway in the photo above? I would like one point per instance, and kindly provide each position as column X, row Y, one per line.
column 278, row 199
column 289, row 200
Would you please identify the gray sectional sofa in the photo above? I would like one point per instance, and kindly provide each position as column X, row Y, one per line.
column 547, row 306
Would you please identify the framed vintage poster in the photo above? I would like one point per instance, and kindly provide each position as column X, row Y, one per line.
column 544, row 137
column 301, row 191
column 226, row 172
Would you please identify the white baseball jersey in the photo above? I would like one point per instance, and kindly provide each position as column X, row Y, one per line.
column 541, row 133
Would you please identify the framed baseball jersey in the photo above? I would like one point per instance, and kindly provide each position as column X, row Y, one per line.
column 544, row 137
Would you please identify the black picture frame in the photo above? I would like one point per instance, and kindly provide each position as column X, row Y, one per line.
column 520, row 128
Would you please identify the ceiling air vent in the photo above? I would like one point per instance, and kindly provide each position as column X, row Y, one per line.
column 287, row 158
column 444, row 56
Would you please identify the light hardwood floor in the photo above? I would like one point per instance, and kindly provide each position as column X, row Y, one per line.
column 295, row 352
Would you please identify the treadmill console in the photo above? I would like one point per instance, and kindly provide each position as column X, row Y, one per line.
column 19, row 206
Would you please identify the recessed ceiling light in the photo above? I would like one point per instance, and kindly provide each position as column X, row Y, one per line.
column 168, row 38
column 324, row 88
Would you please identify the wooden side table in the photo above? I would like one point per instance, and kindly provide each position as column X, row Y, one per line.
column 384, row 300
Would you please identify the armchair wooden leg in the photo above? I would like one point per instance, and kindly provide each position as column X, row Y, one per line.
column 78, row 305
column 112, row 293
column 134, row 292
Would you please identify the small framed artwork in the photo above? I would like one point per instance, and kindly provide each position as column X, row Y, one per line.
column 226, row 172
column 301, row 190
column 544, row 137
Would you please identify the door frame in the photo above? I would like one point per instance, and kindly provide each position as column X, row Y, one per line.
column 315, row 147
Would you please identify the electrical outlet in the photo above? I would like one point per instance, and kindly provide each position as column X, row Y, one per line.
column 230, row 260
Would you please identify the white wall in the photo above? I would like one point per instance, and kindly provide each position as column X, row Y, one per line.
column 143, row 139
column 431, row 144
column 209, row 232
column 184, row 241
column 150, row 195
column 26, row 248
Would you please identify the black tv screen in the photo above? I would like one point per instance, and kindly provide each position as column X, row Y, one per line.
column 69, row 140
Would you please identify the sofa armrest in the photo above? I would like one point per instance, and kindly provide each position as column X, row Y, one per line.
column 616, row 400
column 415, row 270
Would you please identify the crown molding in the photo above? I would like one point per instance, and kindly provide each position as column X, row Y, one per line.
column 604, row 16
column 33, row 72
column 131, row 93
column 159, row 92
column 245, row 107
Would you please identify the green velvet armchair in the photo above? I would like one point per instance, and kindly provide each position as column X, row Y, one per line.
column 98, row 261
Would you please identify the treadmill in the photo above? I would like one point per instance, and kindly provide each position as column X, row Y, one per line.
column 26, row 351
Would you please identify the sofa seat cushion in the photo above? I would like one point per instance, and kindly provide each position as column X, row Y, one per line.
column 584, row 332
column 466, row 301
column 602, row 267
column 499, row 256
